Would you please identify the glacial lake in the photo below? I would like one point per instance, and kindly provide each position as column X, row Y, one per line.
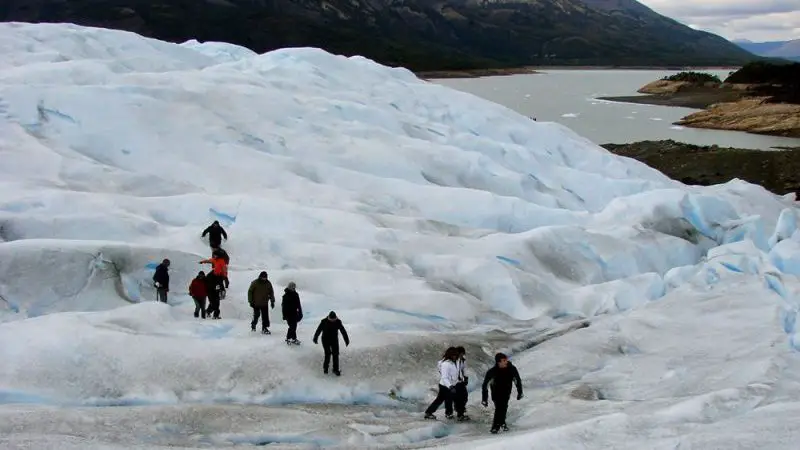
column 570, row 97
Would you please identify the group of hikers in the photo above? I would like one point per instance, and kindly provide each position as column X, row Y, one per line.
column 453, row 378
column 453, row 391
column 260, row 297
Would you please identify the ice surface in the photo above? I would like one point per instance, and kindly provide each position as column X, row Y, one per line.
column 423, row 216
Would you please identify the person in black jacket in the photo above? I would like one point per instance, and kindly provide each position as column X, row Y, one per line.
column 292, row 312
column 161, row 280
column 330, row 328
column 501, row 377
column 215, row 234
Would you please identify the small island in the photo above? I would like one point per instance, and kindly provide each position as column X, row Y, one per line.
column 761, row 98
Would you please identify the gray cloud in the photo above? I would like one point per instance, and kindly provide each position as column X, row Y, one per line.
column 756, row 20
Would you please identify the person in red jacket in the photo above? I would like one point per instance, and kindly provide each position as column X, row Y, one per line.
column 215, row 281
column 197, row 289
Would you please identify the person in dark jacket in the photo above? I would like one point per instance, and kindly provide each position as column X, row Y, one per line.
column 213, row 288
column 462, row 394
column 198, row 292
column 330, row 327
column 260, row 295
column 501, row 378
column 215, row 234
column 161, row 280
column 292, row 312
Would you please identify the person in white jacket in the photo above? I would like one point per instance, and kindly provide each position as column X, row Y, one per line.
column 448, row 378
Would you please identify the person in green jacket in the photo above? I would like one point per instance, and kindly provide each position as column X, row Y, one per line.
column 261, row 296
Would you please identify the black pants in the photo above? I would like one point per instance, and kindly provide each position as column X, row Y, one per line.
column 264, row 313
column 214, row 244
column 460, row 402
column 162, row 295
column 199, row 307
column 213, row 300
column 445, row 397
column 500, row 411
column 331, row 351
column 291, row 333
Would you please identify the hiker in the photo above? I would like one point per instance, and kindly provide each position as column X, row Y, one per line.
column 214, row 282
column 501, row 377
column 292, row 312
column 198, row 292
column 161, row 280
column 460, row 401
column 224, row 255
column 260, row 295
column 330, row 327
column 215, row 234
column 448, row 378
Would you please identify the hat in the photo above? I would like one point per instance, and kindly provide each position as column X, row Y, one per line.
column 291, row 285
column 332, row 315
column 262, row 275
column 499, row 357
column 201, row 274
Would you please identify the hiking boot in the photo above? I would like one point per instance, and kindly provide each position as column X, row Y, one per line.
column 337, row 373
column 449, row 416
column 463, row 418
column 265, row 331
column 505, row 427
column 325, row 370
column 430, row 416
column 494, row 430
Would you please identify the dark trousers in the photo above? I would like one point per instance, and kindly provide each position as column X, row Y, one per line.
column 199, row 307
column 291, row 333
column 331, row 351
column 213, row 301
column 460, row 402
column 500, row 410
column 445, row 397
column 264, row 313
column 162, row 295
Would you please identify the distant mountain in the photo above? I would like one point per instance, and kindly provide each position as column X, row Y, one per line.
column 776, row 49
column 419, row 34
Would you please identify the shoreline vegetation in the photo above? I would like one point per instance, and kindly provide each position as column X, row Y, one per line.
column 759, row 98
column 777, row 171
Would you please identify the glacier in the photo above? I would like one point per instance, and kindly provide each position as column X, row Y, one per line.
column 641, row 312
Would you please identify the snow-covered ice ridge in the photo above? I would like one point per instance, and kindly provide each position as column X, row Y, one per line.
column 423, row 216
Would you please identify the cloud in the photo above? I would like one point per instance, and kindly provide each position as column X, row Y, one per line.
column 757, row 20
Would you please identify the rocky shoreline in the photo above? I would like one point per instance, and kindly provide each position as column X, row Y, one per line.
column 730, row 107
column 777, row 171
column 474, row 73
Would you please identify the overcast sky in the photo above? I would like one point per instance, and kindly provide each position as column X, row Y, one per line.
column 757, row 20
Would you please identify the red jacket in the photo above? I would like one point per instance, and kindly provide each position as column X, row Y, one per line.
column 198, row 288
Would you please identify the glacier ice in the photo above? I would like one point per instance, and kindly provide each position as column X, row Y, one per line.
column 424, row 216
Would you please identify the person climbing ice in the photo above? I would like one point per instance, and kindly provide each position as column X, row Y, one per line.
column 462, row 394
column 161, row 280
column 198, row 292
column 260, row 295
column 292, row 312
column 329, row 328
column 448, row 378
column 215, row 234
column 501, row 377
column 214, row 282
column 226, row 282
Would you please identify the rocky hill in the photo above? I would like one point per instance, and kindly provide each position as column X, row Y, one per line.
column 419, row 34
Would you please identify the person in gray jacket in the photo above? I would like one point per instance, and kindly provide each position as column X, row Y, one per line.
column 261, row 296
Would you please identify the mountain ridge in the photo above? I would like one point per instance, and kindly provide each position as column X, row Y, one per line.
column 418, row 34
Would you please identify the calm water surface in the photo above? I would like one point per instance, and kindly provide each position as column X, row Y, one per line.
column 569, row 97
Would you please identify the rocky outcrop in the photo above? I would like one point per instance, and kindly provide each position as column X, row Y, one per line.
column 662, row 87
column 753, row 115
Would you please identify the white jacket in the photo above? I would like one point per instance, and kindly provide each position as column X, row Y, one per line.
column 448, row 372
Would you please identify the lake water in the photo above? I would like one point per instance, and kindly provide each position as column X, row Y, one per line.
column 569, row 97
